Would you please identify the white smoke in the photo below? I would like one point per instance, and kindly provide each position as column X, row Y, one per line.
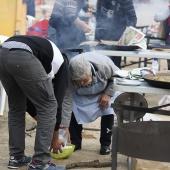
column 92, row 2
column 145, row 11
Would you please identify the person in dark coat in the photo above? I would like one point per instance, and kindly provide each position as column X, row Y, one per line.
column 113, row 16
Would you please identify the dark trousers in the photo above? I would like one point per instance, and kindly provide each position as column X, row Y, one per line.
column 168, row 62
column 105, row 138
column 116, row 60
column 30, row 7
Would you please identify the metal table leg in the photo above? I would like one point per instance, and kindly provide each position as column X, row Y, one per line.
column 114, row 147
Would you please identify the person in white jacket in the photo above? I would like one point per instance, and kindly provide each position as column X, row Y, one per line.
column 164, row 15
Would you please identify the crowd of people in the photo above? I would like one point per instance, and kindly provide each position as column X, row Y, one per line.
column 62, row 89
column 58, row 88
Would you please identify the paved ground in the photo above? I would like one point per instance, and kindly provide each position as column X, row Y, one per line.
column 90, row 148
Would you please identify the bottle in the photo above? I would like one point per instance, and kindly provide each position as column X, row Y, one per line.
column 155, row 65
column 63, row 135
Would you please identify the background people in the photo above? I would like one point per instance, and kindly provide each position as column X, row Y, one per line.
column 66, row 29
column 30, row 7
column 85, row 13
column 164, row 16
column 27, row 65
column 89, row 96
column 112, row 18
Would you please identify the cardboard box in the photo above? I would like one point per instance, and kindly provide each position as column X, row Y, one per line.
column 141, row 164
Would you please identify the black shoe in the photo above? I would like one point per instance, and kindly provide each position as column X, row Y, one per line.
column 16, row 163
column 77, row 146
column 104, row 150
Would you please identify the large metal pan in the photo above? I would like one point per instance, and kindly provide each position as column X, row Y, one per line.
column 116, row 47
column 151, row 46
column 156, row 83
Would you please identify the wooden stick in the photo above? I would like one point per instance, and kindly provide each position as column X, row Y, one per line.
column 94, row 164
column 32, row 128
column 28, row 134
column 94, row 129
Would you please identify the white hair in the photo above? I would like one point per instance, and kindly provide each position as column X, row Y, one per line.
column 79, row 67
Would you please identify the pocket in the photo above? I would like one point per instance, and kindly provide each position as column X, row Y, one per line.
column 46, row 88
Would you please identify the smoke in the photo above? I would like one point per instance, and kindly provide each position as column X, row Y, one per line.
column 145, row 11
column 92, row 2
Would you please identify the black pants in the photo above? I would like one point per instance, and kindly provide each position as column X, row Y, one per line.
column 116, row 60
column 168, row 62
column 105, row 138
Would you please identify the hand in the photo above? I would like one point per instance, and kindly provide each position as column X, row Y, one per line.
column 103, row 101
column 81, row 25
column 56, row 143
column 85, row 27
column 88, row 15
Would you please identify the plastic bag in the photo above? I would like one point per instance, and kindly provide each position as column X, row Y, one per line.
column 164, row 100
column 139, row 72
column 39, row 29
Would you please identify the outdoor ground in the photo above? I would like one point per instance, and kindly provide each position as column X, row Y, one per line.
column 90, row 147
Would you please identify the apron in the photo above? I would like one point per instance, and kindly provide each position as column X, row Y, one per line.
column 85, row 106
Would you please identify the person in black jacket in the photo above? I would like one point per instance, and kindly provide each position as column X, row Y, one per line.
column 112, row 18
column 27, row 66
